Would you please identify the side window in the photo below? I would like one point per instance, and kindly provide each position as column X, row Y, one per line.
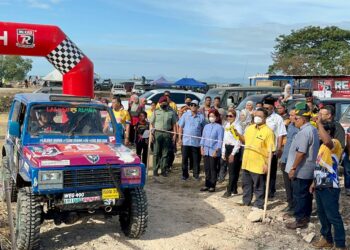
column 21, row 115
column 15, row 111
column 193, row 97
column 178, row 98
column 156, row 97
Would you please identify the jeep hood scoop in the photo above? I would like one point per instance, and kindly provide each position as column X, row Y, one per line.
column 59, row 155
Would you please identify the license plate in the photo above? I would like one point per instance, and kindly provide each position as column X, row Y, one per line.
column 72, row 198
column 110, row 193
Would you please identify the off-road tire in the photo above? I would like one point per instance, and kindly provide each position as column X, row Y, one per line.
column 28, row 219
column 134, row 217
column 5, row 174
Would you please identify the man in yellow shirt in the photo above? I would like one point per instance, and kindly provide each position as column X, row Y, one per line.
column 122, row 117
column 259, row 140
column 172, row 104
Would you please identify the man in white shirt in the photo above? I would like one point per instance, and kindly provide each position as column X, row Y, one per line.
column 276, row 124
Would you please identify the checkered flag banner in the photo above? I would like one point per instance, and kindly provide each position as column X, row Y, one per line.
column 65, row 56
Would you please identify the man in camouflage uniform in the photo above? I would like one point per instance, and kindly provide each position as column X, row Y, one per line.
column 164, row 121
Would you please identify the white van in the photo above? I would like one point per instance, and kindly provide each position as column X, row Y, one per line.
column 118, row 89
column 138, row 89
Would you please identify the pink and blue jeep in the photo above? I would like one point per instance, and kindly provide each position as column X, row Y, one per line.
column 64, row 159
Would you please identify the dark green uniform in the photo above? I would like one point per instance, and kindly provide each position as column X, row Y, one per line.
column 163, row 120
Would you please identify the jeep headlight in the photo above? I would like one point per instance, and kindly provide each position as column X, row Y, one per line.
column 50, row 179
column 132, row 172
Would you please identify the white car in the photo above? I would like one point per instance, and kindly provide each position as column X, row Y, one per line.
column 118, row 89
column 177, row 96
column 138, row 89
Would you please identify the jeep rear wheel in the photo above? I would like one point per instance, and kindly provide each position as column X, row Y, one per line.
column 28, row 220
column 133, row 219
column 5, row 175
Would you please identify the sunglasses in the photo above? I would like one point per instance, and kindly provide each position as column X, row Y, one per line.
column 193, row 105
column 229, row 116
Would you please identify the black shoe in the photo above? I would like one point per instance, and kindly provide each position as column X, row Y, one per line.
column 226, row 195
column 184, row 178
column 271, row 195
column 204, row 189
column 235, row 191
column 164, row 174
column 155, row 174
column 211, row 190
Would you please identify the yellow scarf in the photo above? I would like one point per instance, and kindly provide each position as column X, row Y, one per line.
column 232, row 130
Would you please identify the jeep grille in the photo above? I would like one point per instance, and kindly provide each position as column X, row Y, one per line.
column 81, row 178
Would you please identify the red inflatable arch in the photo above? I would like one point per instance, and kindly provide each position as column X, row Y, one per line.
column 50, row 42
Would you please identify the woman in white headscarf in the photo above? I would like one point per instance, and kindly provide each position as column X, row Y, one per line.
column 249, row 106
column 245, row 119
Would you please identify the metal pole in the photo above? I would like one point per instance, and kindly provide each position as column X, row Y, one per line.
column 9, row 214
column 267, row 183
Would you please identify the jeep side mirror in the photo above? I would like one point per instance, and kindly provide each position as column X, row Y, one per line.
column 14, row 129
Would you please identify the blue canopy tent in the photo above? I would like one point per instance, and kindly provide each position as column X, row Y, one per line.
column 190, row 82
column 161, row 82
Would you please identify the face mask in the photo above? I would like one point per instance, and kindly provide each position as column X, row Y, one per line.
column 258, row 120
column 163, row 106
column 212, row 119
column 188, row 103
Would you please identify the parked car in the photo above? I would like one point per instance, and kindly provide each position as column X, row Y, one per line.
column 260, row 98
column 104, row 85
column 177, row 96
column 234, row 95
column 72, row 166
column 139, row 89
column 340, row 104
column 118, row 89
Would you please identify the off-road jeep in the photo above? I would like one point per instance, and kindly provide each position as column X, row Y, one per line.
column 63, row 159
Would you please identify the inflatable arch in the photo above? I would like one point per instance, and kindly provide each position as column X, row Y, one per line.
column 50, row 42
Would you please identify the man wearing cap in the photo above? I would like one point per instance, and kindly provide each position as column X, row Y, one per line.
column 191, row 124
column 164, row 121
column 276, row 124
column 301, row 162
column 172, row 104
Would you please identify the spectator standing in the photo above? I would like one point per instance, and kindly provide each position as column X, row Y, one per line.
column 327, row 114
column 327, row 190
column 245, row 119
column 249, row 106
column 346, row 163
column 217, row 106
column 191, row 124
column 185, row 108
column 301, row 162
column 291, row 133
column 276, row 124
column 122, row 117
column 211, row 144
column 230, row 152
column 206, row 108
column 171, row 104
column 141, row 141
column 259, row 140
column 162, row 119
column 135, row 107
column 150, row 110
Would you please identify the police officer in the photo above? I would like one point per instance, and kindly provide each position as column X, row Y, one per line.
column 163, row 121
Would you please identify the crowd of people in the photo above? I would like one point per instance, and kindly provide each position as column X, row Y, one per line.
column 305, row 143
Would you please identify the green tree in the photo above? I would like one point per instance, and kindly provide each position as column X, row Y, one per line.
column 312, row 51
column 14, row 67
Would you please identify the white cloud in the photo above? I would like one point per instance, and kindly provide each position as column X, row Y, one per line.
column 42, row 4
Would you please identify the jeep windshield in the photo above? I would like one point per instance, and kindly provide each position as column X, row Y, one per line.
column 70, row 120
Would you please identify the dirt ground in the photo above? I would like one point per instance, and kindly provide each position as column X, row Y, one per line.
column 181, row 217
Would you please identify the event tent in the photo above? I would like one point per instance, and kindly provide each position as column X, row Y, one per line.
column 190, row 82
column 161, row 82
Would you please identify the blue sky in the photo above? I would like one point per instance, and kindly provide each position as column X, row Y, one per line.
column 211, row 40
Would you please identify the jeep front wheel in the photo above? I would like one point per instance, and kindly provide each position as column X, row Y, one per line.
column 133, row 219
column 5, row 175
column 28, row 220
